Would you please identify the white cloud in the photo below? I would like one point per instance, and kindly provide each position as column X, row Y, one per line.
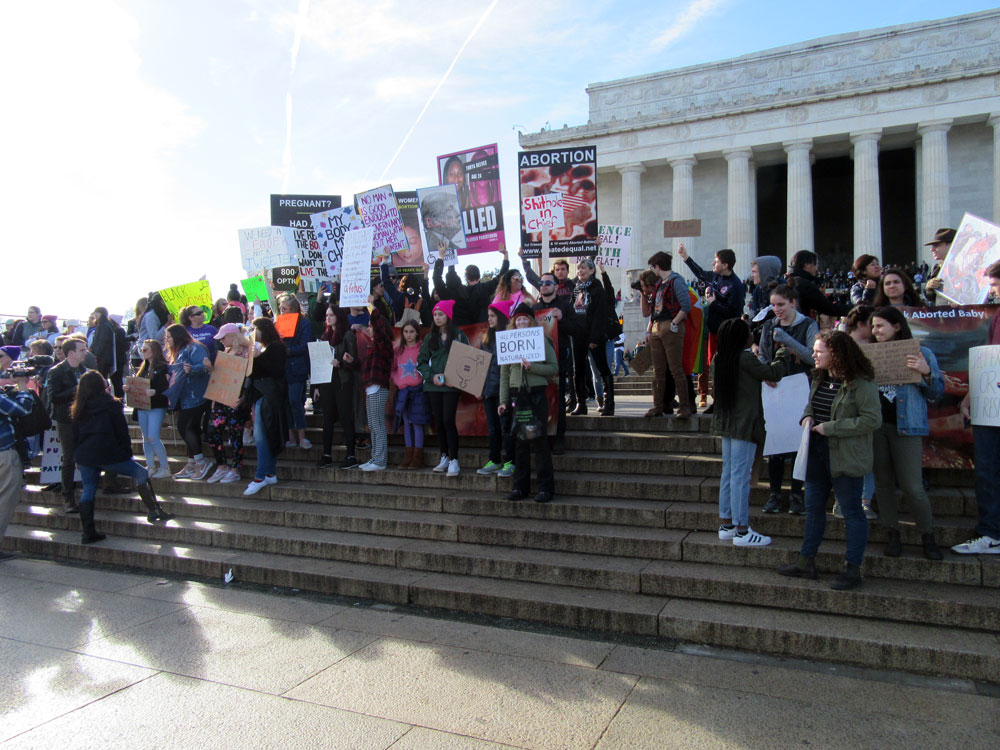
column 685, row 22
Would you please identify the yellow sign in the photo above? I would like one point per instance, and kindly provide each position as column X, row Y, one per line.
column 176, row 298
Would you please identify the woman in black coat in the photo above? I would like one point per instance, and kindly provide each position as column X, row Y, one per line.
column 590, row 306
column 101, row 437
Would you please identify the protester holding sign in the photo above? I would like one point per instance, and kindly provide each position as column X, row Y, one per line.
column 411, row 403
column 226, row 423
column 898, row 443
column 192, row 318
column 154, row 368
column 842, row 414
column 522, row 393
column 497, row 424
column 188, row 381
column 511, row 289
column 296, row 339
column 337, row 396
column 444, row 399
column 560, row 308
column 590, row 309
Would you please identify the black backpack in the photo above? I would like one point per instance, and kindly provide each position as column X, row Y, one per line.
column 35, row 422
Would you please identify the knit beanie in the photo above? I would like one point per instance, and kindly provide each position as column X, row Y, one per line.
column 447, row 306
column 503, row 306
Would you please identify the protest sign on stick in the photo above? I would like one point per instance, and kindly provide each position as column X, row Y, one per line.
column 355, row 273
column 137, row 395
column 320, row 365
column 521, row 343
column 380, row 213
column 984, row 385
column 682, row 228
column 783, row 407
column 466, row 368
column 616, row 244
column 330, row 228
column 963, row 274
column 227, row 378
column 476, row 175
column 286, row 323
column 255, row 289
column 889, row 361
column 266, row 247
column 442, row 222
column 571, row 171
column 176, row 298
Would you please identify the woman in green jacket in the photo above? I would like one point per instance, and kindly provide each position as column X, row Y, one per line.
column 536, row 376
column 431, row 362
column 739, row 419
column 842, row 414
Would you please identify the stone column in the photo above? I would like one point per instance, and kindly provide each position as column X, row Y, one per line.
column 739, row 224
column 634, row 324
column 800, row 202
column 995, row 122
column 934, row 181
column 867, row 206
column 754, row 249
column 682, row 202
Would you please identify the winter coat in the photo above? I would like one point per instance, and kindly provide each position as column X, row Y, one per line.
column 101, row 435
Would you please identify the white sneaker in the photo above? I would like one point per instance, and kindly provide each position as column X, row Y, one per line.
column 220, row 473
column 453, row 468
column 984, row 545
column 233, row 475
column 201, row 470
column 751, row 539
column 371, row 466
column 187, row 471
column 254, row 487
column 305, row 444
column 162, row 473
column 442, row 464
column 271, row 480
column 725, row 533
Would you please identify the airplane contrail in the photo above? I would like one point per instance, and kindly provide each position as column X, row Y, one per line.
column 437, row 88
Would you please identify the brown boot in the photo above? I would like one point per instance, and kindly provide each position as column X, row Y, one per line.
column 405, row 464
column 417, row 462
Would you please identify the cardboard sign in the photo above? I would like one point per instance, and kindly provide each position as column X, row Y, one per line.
column 442, row 222
column 476, row 175
column 521, row 343
column 616, row 245
column 320, row 366
column 467, row 368
column 286, row 324
column 976, row 247
column 889, row 361
column 642, row 360
column 176, row 298
column 571, row 171
column 266, row 247
column 783, row 408
column 330, row 228
column 984, row 385
column 284, row 278
column 52, row 459
column 226, row 382
column 136, row 395
column 355, row 272
column 252, row 338
column 683, row 228
column 380, row 213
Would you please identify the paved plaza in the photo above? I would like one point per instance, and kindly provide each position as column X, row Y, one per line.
column 95, row 658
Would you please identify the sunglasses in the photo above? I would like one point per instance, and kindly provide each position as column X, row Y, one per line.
column 199, row 314
column 548, row 283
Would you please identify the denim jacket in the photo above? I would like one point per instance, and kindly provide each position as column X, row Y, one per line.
column 193, row 388
column 912, row 399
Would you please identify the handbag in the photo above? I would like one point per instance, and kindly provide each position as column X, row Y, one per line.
column 527, row 426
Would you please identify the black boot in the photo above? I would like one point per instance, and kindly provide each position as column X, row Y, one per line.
column 849, row 578
column 895, row 546
column 90, row 534
column 804, row 567
column 609, row 396
column 931, row 550
column 156, row 512
column 580, row 410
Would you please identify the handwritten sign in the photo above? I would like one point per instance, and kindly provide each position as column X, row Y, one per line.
column 227, row 379
column 975, row 248
column 136, row 396
column 311, row 264
column 543, row 212
column 286, row 323
column 176, row 298
column 266, row 247
column 521, row 343
column 330, row 228
column 355, row 273
column 616, row 244
column 683, row 228
column 783, row 407
column 467, row 368
column 889, row 361
column 52, row 459
column 380, row 213
column 254, row 288
column 984, row 385
column 320, row 366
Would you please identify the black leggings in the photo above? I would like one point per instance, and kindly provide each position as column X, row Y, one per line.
column 444, row 405
column 776, row 473
column 581, row 363
column 338, row 405
column 189, row 426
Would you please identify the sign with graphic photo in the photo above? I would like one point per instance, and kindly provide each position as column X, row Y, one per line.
column 573, row 173
column 443, row 233
column 476, row 176
column 963, row 274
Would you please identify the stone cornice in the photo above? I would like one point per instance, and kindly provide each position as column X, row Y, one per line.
column 843, row 66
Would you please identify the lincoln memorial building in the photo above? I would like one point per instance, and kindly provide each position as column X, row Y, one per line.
column 858, row 143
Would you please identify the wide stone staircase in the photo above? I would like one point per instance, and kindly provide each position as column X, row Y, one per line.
column 628, row 546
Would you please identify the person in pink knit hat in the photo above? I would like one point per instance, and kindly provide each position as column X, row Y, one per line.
column 497, row 317
column 444, row 399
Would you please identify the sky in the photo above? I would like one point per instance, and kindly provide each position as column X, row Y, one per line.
column 140, row 135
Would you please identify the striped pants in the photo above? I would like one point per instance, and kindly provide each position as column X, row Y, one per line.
column 375, row 406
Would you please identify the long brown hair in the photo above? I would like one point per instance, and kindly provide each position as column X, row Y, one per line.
column 400, row 348
column 267, row 334
column 849, row 362
column 179, row 338
column 157, row 360
column 91, row 384
column 910, row 296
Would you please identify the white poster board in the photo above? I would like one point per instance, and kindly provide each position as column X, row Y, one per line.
column 984, row 385
column 783, row 407
column 802, row 456
column 320, row 366
column 616, row 244
column 542, row 212
column 380, row 212
column 52, row 459
column 330, row 228
column 266, row 247
column 521, row 343
column 356, row 269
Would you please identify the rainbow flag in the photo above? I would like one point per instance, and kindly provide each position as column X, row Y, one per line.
column 695, row 336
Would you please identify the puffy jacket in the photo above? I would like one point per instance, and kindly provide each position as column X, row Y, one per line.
column 101, row 434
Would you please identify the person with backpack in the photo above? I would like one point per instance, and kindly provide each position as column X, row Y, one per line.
column 14, row 404
column 59, row 391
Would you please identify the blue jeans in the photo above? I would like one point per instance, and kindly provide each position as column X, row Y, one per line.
column 150, row 422
column 297, row 405
column 499, row 430
column 620, row 362
column 90, row 475
column 266, row 460
column 986, row 454
column 868, row 490
column 734, row 488
column 848, row 492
